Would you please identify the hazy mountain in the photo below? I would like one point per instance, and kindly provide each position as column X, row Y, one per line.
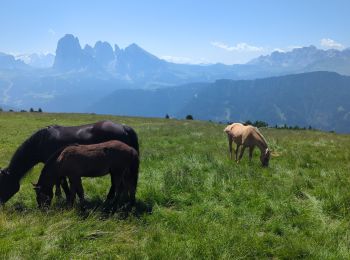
column 151, row 103
column 102, row 53
column 135, row 65
column 305, row 59
column 319, row 99
column 37, row 60
column 91, row 78
column 8, row 62
column 70, row 57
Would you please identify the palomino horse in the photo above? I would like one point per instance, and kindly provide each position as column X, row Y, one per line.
column 94, row 160
column 247, row 136
column 46, row 141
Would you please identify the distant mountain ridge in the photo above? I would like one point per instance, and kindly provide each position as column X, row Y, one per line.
column 137, row 66
column 37, row 60
column 89, row 78
column 319, row 99
column 132, row 64
column 8, row 62
column 306, row 59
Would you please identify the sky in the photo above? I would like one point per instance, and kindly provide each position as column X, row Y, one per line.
column 183, row 31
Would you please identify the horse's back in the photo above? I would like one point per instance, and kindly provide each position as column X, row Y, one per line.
column 241, row 134
column 96, row 159
column 235, row 129
column 113, row 131
column 98, row 132
column 109, row 150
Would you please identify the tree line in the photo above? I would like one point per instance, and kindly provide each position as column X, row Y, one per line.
column 31, row 110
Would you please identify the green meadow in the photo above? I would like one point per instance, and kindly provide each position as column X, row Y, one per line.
column 192, row 201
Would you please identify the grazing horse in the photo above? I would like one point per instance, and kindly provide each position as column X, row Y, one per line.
column 247, row 136
column 94, row 160
column 46, row 141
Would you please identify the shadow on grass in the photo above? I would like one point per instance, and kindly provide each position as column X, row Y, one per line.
column 108, row 210
column 87, row 208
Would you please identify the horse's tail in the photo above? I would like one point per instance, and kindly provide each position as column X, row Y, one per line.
column 133, row 139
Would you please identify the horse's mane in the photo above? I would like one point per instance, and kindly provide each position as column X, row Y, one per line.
column 26, row 155
column 261, row 136
column 48, row 164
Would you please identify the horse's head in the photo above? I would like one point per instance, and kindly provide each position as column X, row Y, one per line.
column 265, row 157
column 43, row 196
column 8, row 185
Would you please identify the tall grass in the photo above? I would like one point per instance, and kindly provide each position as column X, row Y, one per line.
column 192, row 201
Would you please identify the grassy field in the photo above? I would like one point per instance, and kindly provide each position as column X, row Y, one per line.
column 192, row 201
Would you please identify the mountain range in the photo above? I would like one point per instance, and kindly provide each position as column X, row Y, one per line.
column 317, row 99
column 102, row 79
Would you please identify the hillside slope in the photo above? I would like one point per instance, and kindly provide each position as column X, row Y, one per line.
column 319, row 99
column 192, row 201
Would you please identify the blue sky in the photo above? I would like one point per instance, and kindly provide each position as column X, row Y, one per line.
column 190, row 31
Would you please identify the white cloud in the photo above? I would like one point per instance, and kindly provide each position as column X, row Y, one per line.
column 52, row 32
column 292, row 47
column 278, row 50
column 331, row 44
column 285, row 49
column 26, row 58
column 241, row 47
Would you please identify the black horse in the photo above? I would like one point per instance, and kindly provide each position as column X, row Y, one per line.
column 42, row 144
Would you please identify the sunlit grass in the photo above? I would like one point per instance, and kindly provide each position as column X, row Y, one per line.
column 192, row 201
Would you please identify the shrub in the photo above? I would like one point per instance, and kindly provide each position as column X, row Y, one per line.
column 259, row 123
column 248, row 122
column 189, row 117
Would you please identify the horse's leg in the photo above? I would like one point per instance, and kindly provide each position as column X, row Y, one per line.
column 242, row 152
column 118, row 187
column 132, row 190
column 112, row 190
column 80, row 190
column 117, row 176
column 230, row 145
column 58, row 192
column 131, row 178
column 237, row 148
column 128, row 190
column 72, row 191
column 65, row 186
column 251, row 149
